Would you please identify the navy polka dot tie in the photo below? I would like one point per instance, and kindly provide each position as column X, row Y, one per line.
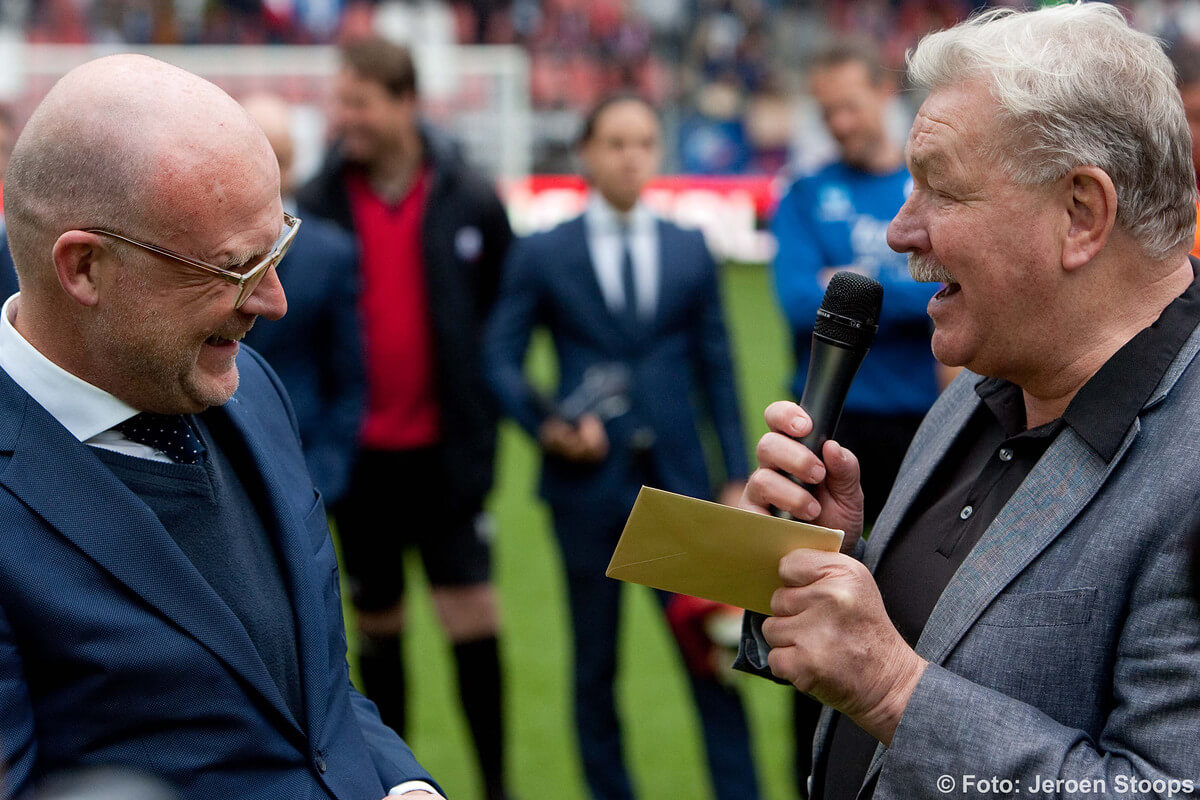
column 170, row 434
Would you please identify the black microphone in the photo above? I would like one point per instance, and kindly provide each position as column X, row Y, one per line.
column 845, row 327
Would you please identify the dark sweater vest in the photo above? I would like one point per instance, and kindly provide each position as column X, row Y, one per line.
column 216, row 513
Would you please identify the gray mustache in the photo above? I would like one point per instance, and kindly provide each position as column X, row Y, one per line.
column 924, row 269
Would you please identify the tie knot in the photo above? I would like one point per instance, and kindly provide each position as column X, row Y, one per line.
column 170, row 434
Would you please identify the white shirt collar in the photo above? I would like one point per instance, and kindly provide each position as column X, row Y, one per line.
column 601, row 217
column 83, row 409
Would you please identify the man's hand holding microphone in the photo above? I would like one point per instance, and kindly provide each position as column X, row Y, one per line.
column 830, row 635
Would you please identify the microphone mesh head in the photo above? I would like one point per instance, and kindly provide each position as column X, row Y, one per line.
column 849, row 312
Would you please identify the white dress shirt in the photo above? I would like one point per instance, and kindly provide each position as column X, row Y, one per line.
column 87, row 412
column 606, row 230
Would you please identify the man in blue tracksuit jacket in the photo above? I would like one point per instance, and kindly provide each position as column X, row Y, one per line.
column 836, row 218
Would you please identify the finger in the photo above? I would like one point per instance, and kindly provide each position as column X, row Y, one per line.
column 596, row 451
column 805, row 567
column 597, row 438
column 768, row 489
column 749, row 500
column 787, row 601
column 843, row 476
column 776, row 451
column 783, row 663
column 574, row 445
column 784, row 416
column 775, row 632
column 788, row 664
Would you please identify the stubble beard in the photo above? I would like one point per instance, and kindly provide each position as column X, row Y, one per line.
column 158, row 372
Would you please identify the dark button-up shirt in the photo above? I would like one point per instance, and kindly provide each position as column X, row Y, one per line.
column 984, row 466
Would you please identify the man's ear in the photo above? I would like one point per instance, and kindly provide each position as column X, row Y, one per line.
column 77, row 257
column 1092, row 213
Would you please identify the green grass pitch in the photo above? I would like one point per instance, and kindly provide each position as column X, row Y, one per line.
column 662, row 739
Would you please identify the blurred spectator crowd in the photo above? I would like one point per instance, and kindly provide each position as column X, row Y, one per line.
column 727, row 73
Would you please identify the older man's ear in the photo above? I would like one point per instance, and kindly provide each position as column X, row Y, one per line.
column 76, row 257
column 1091, row 204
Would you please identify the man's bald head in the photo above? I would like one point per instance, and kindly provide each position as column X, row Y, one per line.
column 127, row 143
column 274, row 116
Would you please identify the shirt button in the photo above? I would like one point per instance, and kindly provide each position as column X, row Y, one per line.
column 1006, row 454
column 966, row 512
column 319, row 762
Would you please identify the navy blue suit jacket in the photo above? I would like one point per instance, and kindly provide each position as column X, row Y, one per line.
column 114, row 650
column 316, row 349
column 680, row 364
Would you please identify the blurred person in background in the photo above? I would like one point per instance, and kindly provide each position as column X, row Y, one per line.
column 432, row 236
column 8, row 136
column 621, row 286
column 1186, row 59
column 168, row 592
column 836, row 219
column 316, row 349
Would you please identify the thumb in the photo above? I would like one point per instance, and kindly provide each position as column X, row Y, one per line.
column 841, row 471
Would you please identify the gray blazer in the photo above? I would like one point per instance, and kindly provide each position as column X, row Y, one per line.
column 1067, row 645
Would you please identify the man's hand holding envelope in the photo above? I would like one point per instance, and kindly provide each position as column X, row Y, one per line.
column 829, row 634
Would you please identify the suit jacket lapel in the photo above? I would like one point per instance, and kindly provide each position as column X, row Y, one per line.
column 1064, row 481
column 120, row 533
column 609, row 321
column 1062, row 484
column 294, row 546
column 670, row 279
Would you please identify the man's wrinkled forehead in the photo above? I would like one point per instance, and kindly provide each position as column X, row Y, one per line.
column 950, row 129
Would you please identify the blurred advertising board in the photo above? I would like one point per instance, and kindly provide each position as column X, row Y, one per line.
column 732, row 211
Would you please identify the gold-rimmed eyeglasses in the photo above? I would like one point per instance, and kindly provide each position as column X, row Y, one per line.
column 247, row 279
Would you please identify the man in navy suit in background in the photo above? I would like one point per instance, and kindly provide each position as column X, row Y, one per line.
column 8, row 274
column 8, row 134
column 619, row 285
column 168, row 589
column 317, row 348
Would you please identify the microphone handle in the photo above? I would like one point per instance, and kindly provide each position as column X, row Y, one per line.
column 831, row 368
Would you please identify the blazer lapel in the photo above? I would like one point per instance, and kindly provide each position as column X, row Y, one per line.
column 1060, row 486
column 670, row 275
column 608, row 321
column 66, row 484
column 1064, row 481
column 295, row 548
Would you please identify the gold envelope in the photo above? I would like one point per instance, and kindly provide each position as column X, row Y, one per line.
column 708, row 550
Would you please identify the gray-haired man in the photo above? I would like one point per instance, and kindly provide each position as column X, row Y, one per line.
column 1022, row 611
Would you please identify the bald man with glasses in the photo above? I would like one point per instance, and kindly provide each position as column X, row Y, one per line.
column 168, row 589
